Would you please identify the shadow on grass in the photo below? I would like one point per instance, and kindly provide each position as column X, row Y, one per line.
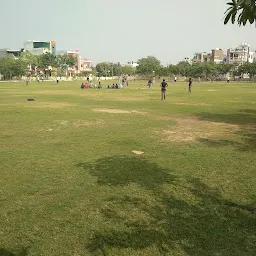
column 168, row 213
column 246, row 118
column 242, row 117
column 22, row 252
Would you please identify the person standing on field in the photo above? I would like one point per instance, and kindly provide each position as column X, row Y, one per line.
column 189, row 85
column 163, row 89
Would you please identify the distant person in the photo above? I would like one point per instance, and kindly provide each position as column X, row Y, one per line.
column 150, row 83
column 27, row 80
column 99, row 86
column 42, row 78
column 163, row 89
column 86, row 86
column 189, row 84
column 38, row 79
column 91, row 84
column 116, row 86
column 108, row 87
column 57, row 79
column 175, row 79
column 82, row 86
column 228, row 79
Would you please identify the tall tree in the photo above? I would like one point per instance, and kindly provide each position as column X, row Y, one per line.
column 103, row 68
column 148, row 66
column 127, row 70
column 12, row 67
column 64, row 62
column 30, row 59
column 241, row 11
column 45, row 61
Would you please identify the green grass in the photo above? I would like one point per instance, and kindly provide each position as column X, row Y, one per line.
column 70, row 184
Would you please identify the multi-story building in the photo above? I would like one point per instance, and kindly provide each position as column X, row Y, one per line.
column 82, row 65
column 40, row 47
column 85, row 65
column 201, row 57
column 240, row 54
column 217, row 55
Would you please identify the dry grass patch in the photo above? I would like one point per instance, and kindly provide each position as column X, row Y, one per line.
column 51, row 104
column 192, row 104
column 85, row 123
column 117, row 111
column 127, row 98
column 189, row 128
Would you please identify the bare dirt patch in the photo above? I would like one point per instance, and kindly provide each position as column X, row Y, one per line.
column 118, row 111
column 189, row 128
column 137, row 152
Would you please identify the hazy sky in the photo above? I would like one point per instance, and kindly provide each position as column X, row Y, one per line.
column 123, row 30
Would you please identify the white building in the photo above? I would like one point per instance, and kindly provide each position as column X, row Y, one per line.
column 240, row 54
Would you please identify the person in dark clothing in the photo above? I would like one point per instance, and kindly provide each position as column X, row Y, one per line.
column 82, row 86
column 189, row 85
column 163, row 89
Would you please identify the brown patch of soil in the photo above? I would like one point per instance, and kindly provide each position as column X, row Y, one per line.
column 117, row 111
column 189, row 128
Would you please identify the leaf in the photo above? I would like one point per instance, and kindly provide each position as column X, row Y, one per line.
column 227, row 18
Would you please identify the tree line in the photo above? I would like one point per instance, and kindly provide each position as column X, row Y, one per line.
column 29, row 64
column 151, row 66
column 147, row 67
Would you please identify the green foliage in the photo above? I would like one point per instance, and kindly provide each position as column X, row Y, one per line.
column 65, row 61
column 117, row 69
column 30, row 59
column 103, row 69
column 241, row 11
column 46, row 60
column 247, row 68
column 12, row 67
column 148, row 66
column 127, row 70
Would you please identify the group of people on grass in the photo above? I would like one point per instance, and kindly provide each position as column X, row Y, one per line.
column 91, row 85
column 99, row 86
column 115, row 86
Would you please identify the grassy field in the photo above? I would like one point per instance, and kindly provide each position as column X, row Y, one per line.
column 71, row 185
